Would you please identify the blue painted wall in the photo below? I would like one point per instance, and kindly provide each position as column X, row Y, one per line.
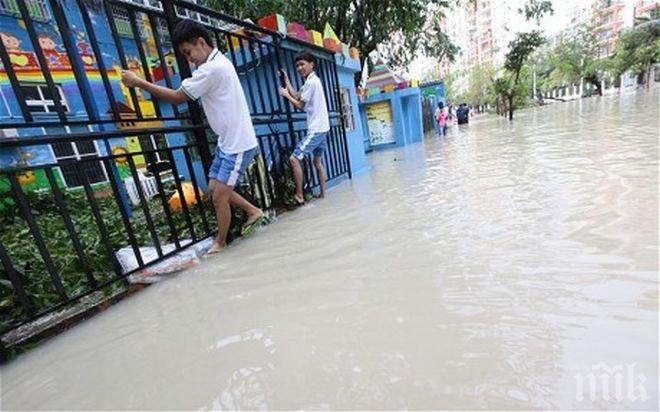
column 355, row 138
column 406, row 115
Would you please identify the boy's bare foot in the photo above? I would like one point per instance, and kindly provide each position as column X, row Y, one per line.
column 299, row 200
column 215, row 248
column 253, row 218
column 253, row 222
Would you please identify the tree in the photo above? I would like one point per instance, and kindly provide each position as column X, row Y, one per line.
column 451, row 87
column 575, row 58
column 508, row 86
column 638, row 50
column 481, row 79
column 536, row 9
column 404, row 27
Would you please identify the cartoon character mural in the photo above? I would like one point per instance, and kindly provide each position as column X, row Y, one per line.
column 18, row 57
column 50, row 49
column 25, row 64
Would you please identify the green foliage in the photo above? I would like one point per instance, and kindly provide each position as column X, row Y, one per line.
column 520, row 49
column 536, row 9
column 404, row 26
column 574, row 58
column 509, row 88
column 451, row 87
column 480, row 91
column 638, row 49
column 20, row 244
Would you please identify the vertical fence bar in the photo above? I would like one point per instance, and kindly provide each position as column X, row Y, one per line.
column 24, row 207
column 246, row 66
column 15, row 84
column 269, row 89
column 198, row 198
column 48, row 77
column 256, row 76
column 143, row 58
column 125, row 218
column 68, row 223
column 161, row 57
column 89, row 28
column 287, row 105
column 109, row 7
column 74, row 58
column 166, row 210
column 334, row 150
column 103, row 230
column 144, row 205
column 272, row 51
column 342, row 131
column 269, row 185
column 182, row 198
column 16, row 283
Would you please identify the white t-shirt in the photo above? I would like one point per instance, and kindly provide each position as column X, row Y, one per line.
column 216, row 83
column 317, row 111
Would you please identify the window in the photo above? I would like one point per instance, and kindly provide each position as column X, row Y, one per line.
column 81, row 151
column 153, row 142
column 37, row 9
column 153, row 4
column 123, row 23
column 347, row 109
column 39, row 99
column 8, row 133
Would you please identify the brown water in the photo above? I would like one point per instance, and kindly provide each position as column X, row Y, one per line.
column 493, row 269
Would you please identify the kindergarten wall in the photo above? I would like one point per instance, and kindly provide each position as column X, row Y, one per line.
column 246, row 60
column 392, row 119
column 24, row 62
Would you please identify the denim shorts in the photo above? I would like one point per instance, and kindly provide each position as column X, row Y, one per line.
column 313, row 143
column 229, row 168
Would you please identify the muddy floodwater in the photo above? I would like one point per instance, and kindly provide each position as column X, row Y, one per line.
column 505, row 266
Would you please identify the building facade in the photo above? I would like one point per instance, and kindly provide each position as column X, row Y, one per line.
column 482, row 30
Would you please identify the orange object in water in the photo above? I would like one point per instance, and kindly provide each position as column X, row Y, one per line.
column 188, row 194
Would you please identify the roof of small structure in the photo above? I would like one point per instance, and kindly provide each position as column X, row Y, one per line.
column 382, row 75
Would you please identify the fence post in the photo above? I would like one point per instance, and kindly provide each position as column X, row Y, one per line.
column 85, row 88
column 193, row 108
column 281, row 64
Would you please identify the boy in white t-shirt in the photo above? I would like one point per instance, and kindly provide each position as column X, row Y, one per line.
column 216, row 83
column 311, row 99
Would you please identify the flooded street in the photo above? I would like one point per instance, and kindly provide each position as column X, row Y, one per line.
column 505, row 266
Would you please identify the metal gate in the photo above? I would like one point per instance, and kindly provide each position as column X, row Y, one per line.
column 65, row 218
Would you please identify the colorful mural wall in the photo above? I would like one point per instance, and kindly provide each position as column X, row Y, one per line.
column 21, row 51
column 14, row 36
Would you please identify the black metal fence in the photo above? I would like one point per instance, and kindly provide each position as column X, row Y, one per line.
column 60, row 243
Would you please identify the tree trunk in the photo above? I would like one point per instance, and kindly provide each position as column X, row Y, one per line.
column 510, row 108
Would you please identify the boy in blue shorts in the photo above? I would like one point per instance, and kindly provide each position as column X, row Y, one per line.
column 311, row 99
column 216, row 83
